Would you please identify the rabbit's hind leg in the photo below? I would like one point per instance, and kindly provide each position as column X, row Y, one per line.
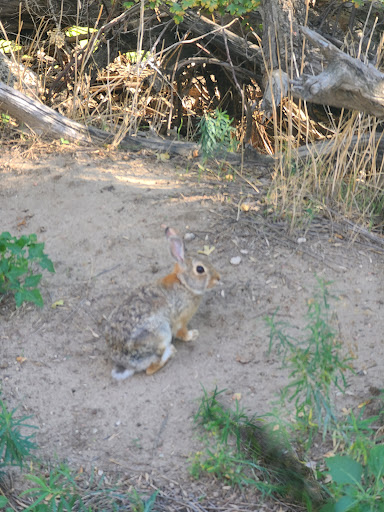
column 167, row 354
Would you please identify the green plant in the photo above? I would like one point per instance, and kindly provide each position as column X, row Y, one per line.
column 316, row 364
column 245, row 451
column 215, row 133
column 357, row 488
column 221, row 456
column 15, row 447
column 55, row 492
column 18, row 257
column 358, row 435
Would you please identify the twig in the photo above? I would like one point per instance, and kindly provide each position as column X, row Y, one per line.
column 161, row 430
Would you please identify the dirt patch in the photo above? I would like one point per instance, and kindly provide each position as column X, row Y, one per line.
column 100, row 219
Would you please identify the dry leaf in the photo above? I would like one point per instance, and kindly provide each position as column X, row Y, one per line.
column 207, row 250
column 57, row 303
column 242, row 360
column 363, row 404
column 21, row 359
column 163, row 157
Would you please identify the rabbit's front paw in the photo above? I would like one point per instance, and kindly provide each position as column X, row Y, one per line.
column 192, row 335
column 185, row 335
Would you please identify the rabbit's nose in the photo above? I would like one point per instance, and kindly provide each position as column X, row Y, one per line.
column 214, row 279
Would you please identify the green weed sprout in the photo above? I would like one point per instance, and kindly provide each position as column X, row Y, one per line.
column 141, row 504
column 316, row 364
column 15, row 447
column 18, row 258
column 222, row 456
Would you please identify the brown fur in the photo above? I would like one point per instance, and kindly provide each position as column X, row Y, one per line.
column 170, row 280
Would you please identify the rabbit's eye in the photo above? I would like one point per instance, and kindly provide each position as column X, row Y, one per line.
column 200, row 269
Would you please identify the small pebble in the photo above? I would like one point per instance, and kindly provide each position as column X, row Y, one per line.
column 236, row 260
column 243, row 251
column 189, row 236
column 301, row 240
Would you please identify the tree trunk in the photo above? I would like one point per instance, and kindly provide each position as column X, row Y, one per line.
column 281, row 35
column 282, row 45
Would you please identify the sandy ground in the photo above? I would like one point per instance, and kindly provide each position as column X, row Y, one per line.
column 100, row 217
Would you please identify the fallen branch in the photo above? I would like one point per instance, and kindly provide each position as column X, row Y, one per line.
column 44, row 121
column 345, row 83
column 214, row 33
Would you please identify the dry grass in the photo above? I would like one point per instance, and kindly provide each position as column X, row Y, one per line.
column 335, row 165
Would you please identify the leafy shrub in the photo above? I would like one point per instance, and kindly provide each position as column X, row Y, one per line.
column 215, row 133
column 233, row 7
column 18, row 257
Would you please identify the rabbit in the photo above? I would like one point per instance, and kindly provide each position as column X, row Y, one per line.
column 139, row 332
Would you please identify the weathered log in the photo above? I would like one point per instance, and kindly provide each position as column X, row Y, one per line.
column 345, row 83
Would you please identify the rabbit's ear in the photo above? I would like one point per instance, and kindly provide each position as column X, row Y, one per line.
column 176, row 245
